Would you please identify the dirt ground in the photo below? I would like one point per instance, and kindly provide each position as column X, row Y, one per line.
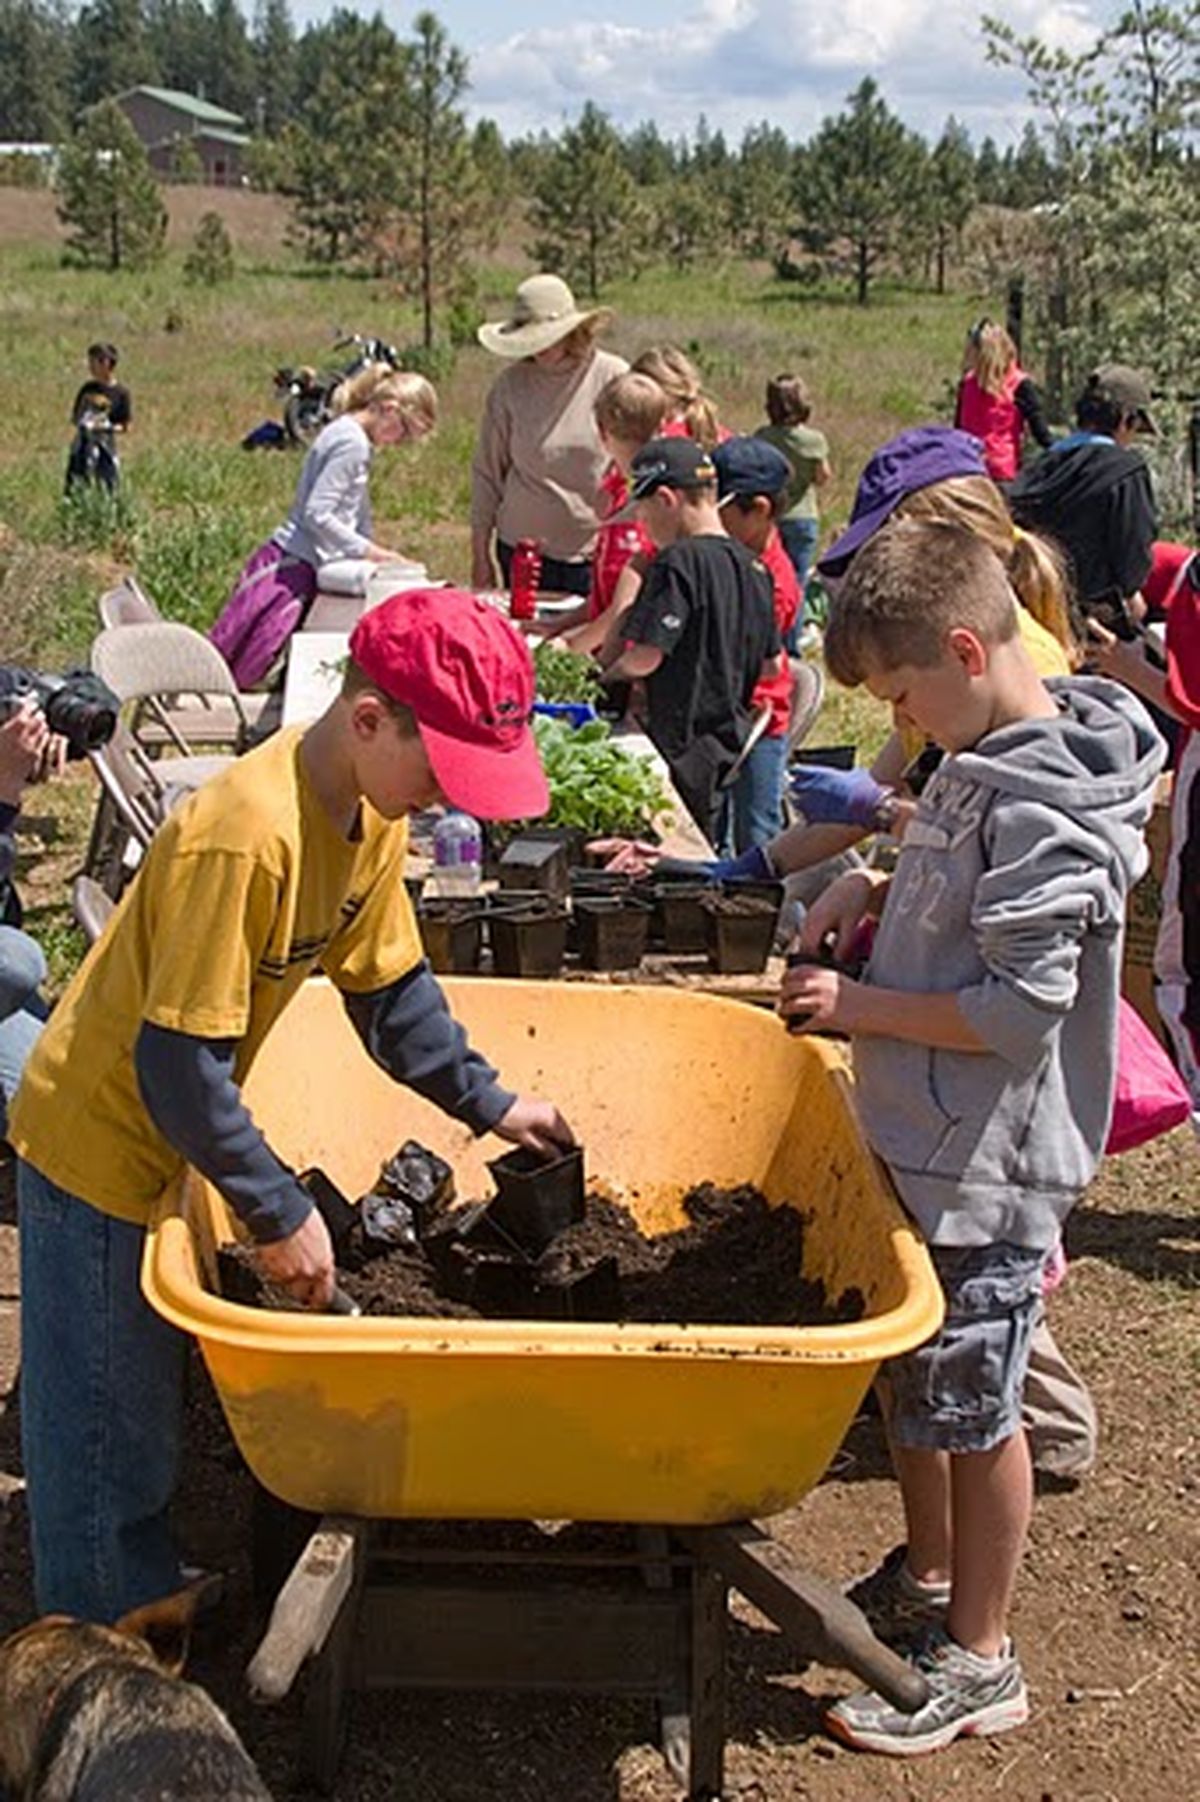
column 1106, row 1619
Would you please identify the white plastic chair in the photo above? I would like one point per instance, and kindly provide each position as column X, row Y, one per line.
column 92, row 906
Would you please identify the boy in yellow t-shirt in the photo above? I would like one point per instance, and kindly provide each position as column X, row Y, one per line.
column 290, row 861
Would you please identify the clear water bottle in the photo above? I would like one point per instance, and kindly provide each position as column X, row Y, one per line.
column 457, row 855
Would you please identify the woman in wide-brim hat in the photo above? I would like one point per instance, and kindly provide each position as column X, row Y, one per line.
column 539, row 460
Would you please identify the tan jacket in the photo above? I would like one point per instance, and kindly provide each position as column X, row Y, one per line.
column 539, row 461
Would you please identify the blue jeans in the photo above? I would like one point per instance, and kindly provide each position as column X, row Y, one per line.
column 101, row 1409
column 22, row 1011
column 752, row 812
column 799, row 541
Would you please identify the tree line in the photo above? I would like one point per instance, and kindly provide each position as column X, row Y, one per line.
column 366, row 133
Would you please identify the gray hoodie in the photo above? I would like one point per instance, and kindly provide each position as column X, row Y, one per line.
column 1010, row 892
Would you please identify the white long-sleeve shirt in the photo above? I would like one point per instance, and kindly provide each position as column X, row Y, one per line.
column 331, row 514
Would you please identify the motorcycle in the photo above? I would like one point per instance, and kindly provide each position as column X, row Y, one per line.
column 308, row 393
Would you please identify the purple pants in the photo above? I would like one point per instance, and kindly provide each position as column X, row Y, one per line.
column 269, row 600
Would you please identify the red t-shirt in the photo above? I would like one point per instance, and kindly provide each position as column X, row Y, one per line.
column 678, row 428
column 616, row 542
column 778, row 689
column 1168, row 562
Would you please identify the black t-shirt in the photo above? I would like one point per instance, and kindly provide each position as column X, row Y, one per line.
column 109, row 399
column 707, row 604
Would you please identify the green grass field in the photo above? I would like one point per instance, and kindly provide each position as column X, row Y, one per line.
column 199, row 365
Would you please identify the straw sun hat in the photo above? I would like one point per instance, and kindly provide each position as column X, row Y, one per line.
column 543, row 312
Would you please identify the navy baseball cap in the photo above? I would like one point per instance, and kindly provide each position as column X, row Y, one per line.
column 748, row 467
column 915, row 459
column 669, row 463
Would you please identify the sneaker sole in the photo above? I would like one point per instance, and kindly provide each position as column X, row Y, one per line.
column 1001, row 1717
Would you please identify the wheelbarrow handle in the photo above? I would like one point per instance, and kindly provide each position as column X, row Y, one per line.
column 817, row 1618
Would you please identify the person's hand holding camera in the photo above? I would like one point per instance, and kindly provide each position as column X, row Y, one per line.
column 29, row 752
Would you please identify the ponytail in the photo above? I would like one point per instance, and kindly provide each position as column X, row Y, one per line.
column 679, row 380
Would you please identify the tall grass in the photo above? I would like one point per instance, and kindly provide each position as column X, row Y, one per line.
column 199, row 366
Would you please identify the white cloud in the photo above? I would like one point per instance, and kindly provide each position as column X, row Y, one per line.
column 738, row 61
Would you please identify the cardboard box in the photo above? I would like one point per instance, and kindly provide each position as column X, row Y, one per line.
column 1143, row 912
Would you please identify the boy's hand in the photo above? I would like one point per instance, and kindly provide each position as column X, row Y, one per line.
column 839, row 910
column 824, row 997
column 537, row 1125
column 302, row 1263
column 837, row 797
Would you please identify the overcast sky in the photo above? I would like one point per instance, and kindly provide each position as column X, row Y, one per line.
column 535, row 62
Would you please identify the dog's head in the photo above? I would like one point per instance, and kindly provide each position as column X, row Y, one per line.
column 39, row 1661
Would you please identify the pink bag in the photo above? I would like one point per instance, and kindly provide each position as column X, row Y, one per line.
column 1150, row 1095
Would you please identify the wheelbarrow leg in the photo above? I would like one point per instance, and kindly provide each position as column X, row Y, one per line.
column 710, row 1622
column 327, row 1697
column 674, row 1732
column 818, row 1619
column 316, row 1616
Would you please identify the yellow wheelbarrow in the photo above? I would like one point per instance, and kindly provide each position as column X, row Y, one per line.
column 673, row 1427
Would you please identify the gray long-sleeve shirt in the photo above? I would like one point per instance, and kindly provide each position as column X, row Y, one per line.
column 331, row 514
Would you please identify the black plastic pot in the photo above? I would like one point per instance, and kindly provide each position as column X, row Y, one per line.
column 828, row 757
column 739, row 933
column 452, row 933
column 527, row 942
column 598, row 884
column 531, row 862
column 612, row 933
column 536, row 1199
column 679, row 915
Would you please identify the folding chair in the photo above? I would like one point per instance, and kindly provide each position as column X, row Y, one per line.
column 127, row 604
column 183, row 691
column 92, row 907
column 136, row 795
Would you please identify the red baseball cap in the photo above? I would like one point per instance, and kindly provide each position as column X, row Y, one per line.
column 468, row 677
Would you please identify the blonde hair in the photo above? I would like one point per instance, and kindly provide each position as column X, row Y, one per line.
column 1033, row 565
column 906, row 590
column 679, row 380
column 416, row 397
column 631, row 407
column 991, row 353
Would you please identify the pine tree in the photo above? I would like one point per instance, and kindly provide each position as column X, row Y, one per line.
column 585, row 206
column 110, row 50
column 950, row 192
column 108, row 196
column 210, row 259
column 344, row 157
column 443, row 208
column 761, row 193
column 275, row 66
column 34, row 66
column 861, row 181
column 230, row 80
column 179, row 32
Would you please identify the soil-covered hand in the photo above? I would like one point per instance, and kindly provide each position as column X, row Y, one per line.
column 537, row 1125
column 302, row 1263
column 821, row 997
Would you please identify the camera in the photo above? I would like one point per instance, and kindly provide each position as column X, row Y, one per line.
column 77, row 705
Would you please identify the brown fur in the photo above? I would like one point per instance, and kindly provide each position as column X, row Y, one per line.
column 89, row 1714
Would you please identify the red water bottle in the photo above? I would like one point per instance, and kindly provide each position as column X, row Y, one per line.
column 524, row 576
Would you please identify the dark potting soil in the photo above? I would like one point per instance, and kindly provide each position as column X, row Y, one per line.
column 737, row 1263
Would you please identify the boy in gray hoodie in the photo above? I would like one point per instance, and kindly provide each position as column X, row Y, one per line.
column 984, row 1037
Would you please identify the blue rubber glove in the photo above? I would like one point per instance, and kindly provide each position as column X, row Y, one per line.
column 752, row 866
column 836, row 797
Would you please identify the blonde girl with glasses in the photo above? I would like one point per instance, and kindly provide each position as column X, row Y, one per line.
column 330, row 516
